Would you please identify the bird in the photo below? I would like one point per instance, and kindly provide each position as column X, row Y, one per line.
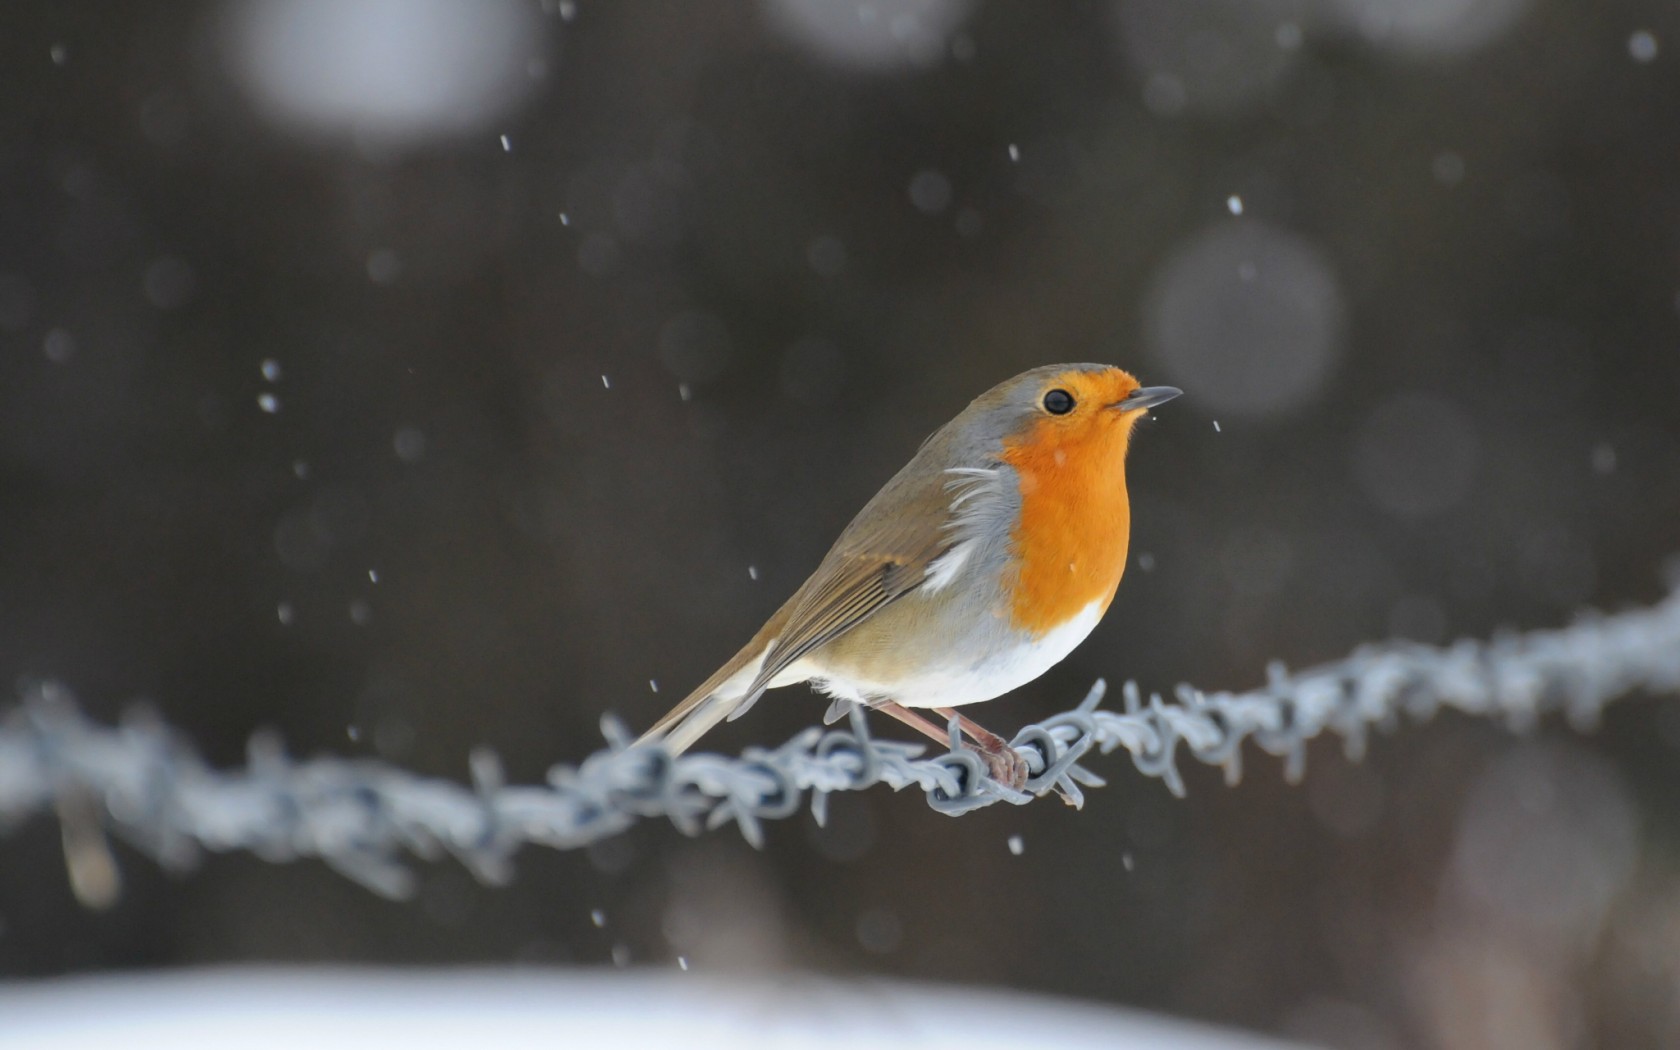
column 979, row 566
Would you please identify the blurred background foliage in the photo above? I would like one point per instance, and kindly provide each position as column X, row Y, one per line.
column 414, row 374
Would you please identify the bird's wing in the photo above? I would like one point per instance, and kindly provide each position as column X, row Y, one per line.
column 871, row 566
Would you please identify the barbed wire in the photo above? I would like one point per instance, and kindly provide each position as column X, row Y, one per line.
column 145, row 782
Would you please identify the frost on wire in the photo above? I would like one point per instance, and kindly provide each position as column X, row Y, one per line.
column 145, row 782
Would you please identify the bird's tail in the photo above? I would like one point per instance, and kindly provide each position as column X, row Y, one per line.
column 716, row 699
column 696, row 723
column 726, row 693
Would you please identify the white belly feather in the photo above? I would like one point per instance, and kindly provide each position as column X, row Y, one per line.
column 957, row 683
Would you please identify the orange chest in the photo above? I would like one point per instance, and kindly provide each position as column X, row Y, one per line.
column 1070, row 543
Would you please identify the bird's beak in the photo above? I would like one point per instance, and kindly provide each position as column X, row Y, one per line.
column 1147, row 397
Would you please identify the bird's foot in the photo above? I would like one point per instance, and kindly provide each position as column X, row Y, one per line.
column 1005, row 764
column 1008, row 768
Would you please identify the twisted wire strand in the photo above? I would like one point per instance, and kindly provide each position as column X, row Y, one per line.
column 144, row 781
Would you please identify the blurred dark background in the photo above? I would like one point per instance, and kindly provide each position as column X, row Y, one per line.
column 407, row 375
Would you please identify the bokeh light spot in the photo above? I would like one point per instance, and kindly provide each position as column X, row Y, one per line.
column 1247, row 317
column 873, row 35
column 1217, row 56
column 1547, row 839
column 1427, row 28
column 386, row 71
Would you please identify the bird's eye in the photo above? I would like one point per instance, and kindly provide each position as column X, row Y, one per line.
column 1058, row 402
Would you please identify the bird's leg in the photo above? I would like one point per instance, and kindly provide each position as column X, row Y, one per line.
column 913, row 720
column 1005, row 764
column 973, row 730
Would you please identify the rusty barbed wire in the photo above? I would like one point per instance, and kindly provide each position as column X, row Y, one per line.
column 145, row 782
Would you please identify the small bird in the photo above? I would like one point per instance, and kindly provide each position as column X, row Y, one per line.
column 977, row 568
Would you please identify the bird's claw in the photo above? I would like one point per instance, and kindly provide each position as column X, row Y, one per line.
column 1006, row 766
column 1009, row 767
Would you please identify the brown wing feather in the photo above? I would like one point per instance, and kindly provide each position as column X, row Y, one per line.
column 863, row 585
column 882, row 556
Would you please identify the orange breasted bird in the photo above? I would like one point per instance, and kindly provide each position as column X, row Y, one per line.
column 977, row 568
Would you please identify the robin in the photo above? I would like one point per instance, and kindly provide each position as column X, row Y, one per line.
column 977, row 568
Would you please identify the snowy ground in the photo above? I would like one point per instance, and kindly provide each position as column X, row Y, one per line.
column 325, row 1009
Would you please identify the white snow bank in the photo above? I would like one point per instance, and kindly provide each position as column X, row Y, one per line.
column 324, row 1009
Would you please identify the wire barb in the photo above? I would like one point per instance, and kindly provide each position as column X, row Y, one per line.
column 144, row 782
